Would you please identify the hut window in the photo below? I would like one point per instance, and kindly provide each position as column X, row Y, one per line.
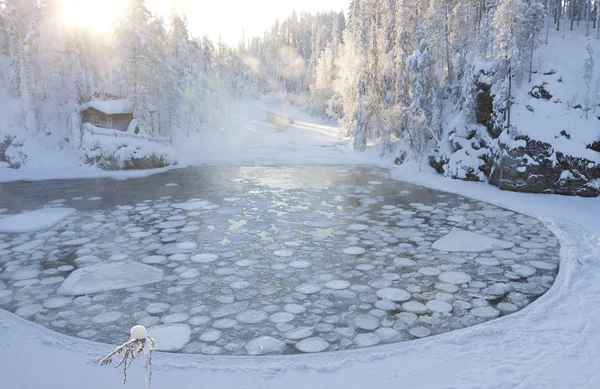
column 96, row 120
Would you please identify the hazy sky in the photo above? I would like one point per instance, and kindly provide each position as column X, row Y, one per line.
column 227, row 17
column 230, row 17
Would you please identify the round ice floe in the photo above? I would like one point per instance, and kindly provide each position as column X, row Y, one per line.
column 29, row 310
column 487, row 261
column 300, row 264
column 429, row 271
column 308, row 288
column 283, row 253
column 265, row 345
column 354, row 251
column 294, row 308
column 190, row 206
column 393, row 294
column 222, row 324
column 211, row 350
column 366, row 340
column 454, row 277
column 439, row 306
column 190, row 273
column 485, row 312
column 107, row 317
column 157, row 308
column 523, row 271
column 87, row 334
column 210, row 336
column 506, row 307
column 171, row 224
column 532, row 245
column 312, row 345
column 358, row 227
column 386, row 305
column 365, row 267
column 246, row 262
column 204, row 258
column 170, row 337
column 57, row 302
column 154, row 259
column 198, row 320
column 281, row 317
column 239, row 285
column 175, row 318
column 419, row 332
column 542, row 265
column 366, row 322
column 251, row 316
column 338, row 284
column 404, row 262
column 414, row 307
column 299, row 333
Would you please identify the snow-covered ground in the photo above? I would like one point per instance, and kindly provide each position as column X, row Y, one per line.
column 552, row 343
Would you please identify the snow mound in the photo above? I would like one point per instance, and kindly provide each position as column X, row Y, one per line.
column 466, row 241
column 104, row 277
column 37, row 220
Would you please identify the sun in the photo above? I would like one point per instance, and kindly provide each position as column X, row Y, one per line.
column 95, row 15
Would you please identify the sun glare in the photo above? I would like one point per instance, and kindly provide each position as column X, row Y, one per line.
column 96, row 15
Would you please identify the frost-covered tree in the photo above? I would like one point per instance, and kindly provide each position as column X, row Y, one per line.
column 134, row 34
column 588, row 74
column 21, row 18
column 529, row 25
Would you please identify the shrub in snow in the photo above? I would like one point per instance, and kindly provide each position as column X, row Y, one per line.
column 10, row 156
column 140, row 343
column 116, row 150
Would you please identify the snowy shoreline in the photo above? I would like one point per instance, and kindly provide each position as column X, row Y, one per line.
column 475, row 348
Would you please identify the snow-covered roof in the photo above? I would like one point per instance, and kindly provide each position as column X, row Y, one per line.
column 109, row 107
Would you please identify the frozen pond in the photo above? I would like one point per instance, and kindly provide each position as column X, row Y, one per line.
column 264, row 260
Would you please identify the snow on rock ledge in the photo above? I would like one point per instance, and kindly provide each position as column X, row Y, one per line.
column 117, row 150
column 466, row 241
column 104, row 277
column 33, row 221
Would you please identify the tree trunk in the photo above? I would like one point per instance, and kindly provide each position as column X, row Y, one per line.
column 508, row 97
column 547, row 20
column 558, row 14
column 572, row 13
column 531, row 59
column 449, row 62
column 588, row 8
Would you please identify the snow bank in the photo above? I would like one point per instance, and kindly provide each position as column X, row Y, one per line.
column 116, row 150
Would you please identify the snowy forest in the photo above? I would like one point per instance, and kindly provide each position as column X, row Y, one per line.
column 424, row 80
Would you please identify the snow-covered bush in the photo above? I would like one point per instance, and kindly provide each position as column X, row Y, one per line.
column 116, row 150
column 139, row 344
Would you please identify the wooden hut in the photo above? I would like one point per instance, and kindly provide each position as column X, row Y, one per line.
column 113, row 114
